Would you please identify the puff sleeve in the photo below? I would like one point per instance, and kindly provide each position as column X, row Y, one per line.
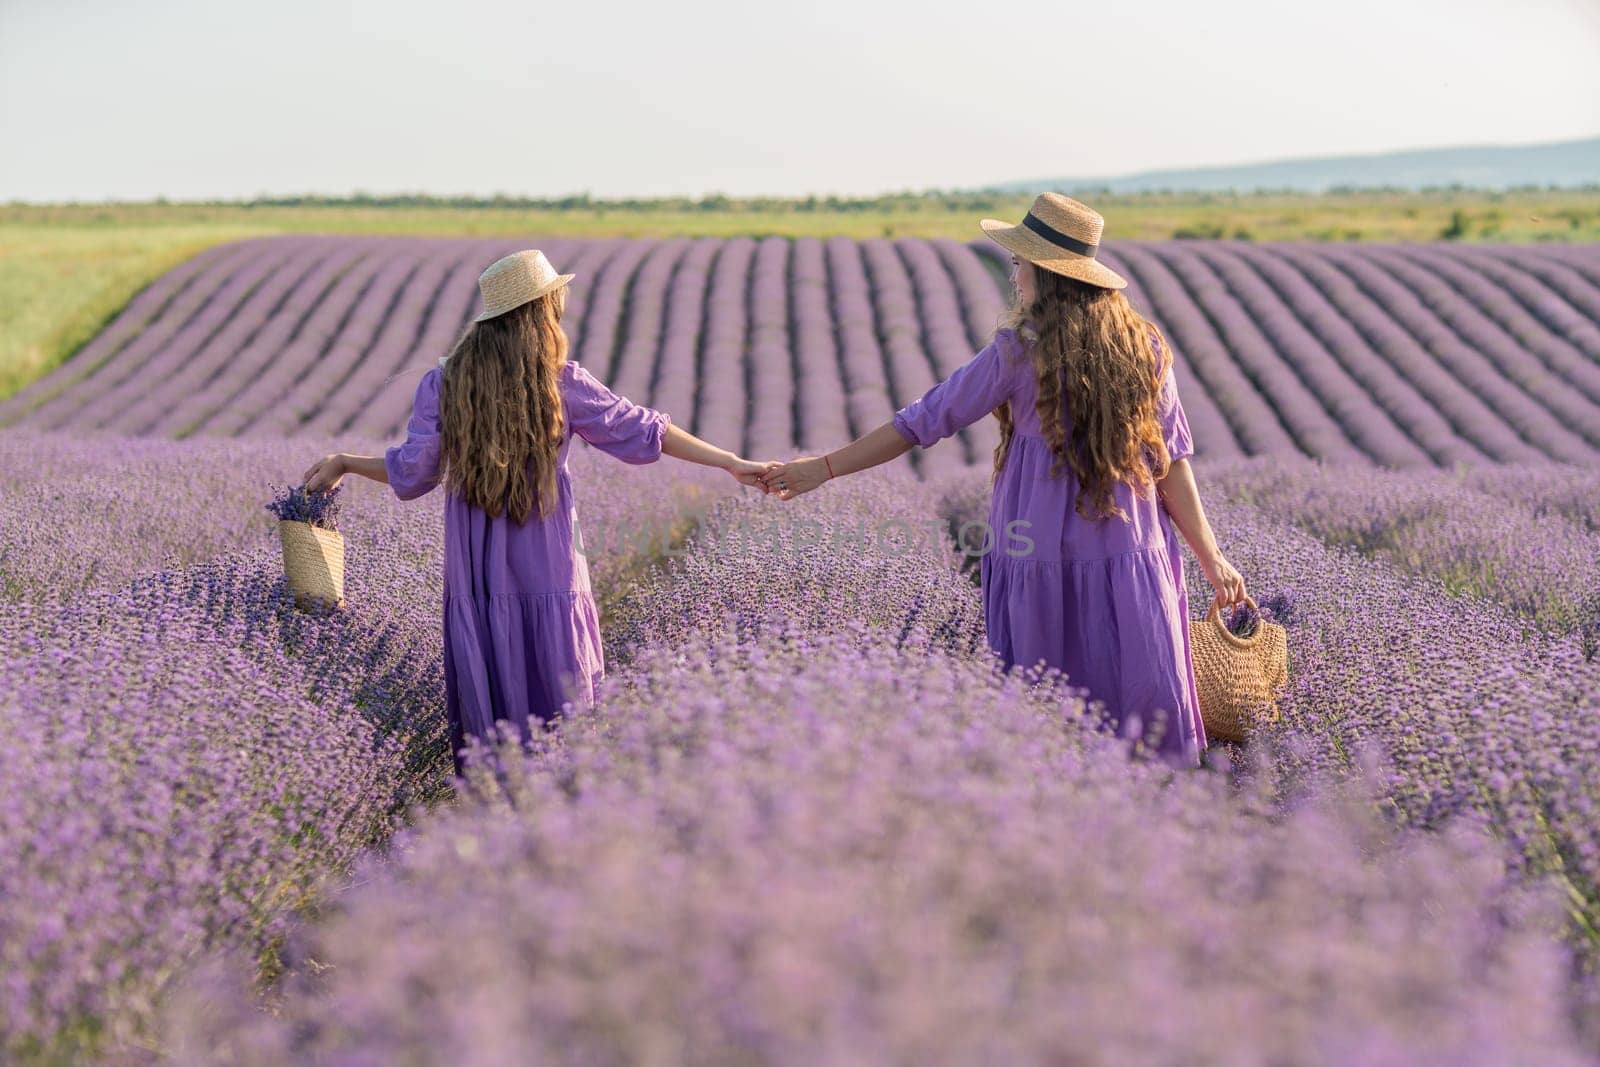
column 1169, row 409
column 973, row 390
column 414, row 466
column 616, row 425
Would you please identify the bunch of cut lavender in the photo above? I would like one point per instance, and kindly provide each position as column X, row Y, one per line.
column 318, row 507
column 1242, row 620
column 1278, row 608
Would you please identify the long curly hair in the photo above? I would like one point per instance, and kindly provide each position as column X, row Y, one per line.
column 1097, row 374
column 500, row 417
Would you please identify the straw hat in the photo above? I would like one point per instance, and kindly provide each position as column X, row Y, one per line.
column 1060, row 235
column 518, row 278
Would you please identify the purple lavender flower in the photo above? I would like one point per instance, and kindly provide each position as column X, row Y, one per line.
column 194, row 757
column 1242, row 620
column 1278, row 607
column 318, row 507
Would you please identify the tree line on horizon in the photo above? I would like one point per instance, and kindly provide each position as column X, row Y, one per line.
column 952, row 201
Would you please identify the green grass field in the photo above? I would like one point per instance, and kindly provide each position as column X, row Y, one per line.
column 65, row 270
column 60, row 284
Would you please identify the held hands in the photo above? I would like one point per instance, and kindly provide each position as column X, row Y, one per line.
column 797, row 476
column 325, row 473
column 787, row 480
column 749, row 472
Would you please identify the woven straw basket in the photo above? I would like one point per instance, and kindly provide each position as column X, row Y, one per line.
column 1239, row 678
column 313, row 560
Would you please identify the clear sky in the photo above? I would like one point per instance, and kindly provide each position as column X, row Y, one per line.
column 133, row 99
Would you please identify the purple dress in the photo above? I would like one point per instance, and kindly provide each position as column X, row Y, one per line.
column 521, row 629
column 1103, row 601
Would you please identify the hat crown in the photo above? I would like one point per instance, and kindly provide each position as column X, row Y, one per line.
column 529, row 268
column 1069, row 216
column 514, row 280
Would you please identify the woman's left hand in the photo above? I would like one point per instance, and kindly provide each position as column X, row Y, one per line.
column 325, row 472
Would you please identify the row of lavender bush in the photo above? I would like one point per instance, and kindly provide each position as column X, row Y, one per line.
column 811, row 823
column 797, row 669
column 1524, row 536
column 1429, row 645
column 313, row 336
column 1386, row 354
column 193, row 757
column 92, row 511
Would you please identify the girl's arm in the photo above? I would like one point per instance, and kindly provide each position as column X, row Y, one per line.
column 368, row 467
column 410, row 468
column 681, row 444
column 973, row 390
column 326, row 472
column 677, row 443
column 1182, row 498
column 803, row 475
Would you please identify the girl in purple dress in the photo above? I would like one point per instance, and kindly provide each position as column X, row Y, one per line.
column 1092, row 482
column 495, row 421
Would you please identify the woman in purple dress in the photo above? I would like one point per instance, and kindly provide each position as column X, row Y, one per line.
column 495, row 421
column 1091, row 477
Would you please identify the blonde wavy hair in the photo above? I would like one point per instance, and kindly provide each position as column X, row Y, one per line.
column 500, row 417
column 1097, row 370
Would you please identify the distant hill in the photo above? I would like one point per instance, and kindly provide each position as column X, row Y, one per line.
column 1565, row 163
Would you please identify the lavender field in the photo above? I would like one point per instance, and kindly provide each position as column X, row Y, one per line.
column 1419, row 355
column 810, row 821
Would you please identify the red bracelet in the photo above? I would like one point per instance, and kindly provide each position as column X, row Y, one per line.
column 828, row 465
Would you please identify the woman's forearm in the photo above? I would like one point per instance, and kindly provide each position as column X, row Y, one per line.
column 367, row 466
column 798, row 476
column 878, row 446
column 1182, row 497
column 681, row 444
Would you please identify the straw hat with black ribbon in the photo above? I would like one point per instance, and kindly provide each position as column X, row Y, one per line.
column 514, row 280
column 1059, row 235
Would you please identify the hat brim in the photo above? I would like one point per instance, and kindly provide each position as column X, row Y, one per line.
column 555, row 283
column 1041, row 253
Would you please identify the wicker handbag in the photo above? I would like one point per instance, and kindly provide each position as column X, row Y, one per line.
column 313, row 560
column 1240, row 678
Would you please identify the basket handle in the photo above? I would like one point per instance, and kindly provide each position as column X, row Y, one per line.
column 1216, row 603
